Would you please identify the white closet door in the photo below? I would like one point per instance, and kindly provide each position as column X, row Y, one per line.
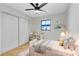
column 9, row 32
column 23, row 31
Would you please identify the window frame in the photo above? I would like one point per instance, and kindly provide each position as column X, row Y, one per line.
column 46, row 25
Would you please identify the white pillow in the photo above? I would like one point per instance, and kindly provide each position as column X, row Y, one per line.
column 33, row 41
column 66, row 44
column 77, row 42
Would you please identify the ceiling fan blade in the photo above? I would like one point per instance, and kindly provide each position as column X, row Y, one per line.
column 33, row 5
column 42, row 10
column 43, row 4
column 29, row 9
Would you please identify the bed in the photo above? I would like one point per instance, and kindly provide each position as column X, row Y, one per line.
column 49, row 48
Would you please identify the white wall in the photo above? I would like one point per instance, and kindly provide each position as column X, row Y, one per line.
column 73, row 19
column 54, row 33
column 9, row 32
column 0, row 30
column 13, row 12
column 23, row 31
column 30, row 25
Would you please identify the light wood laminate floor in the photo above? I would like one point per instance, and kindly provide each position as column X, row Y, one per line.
column 15, row 51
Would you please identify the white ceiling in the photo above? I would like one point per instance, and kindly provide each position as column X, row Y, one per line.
column 50, row 8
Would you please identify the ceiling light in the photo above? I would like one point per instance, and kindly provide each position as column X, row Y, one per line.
column 37, row 11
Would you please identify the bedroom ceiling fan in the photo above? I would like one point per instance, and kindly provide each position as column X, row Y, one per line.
column 37, row 7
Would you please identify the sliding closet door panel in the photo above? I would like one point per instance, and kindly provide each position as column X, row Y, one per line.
column 23, row 31
column 10, row 32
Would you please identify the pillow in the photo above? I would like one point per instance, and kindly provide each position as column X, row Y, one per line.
column 70, row 44
column 33, row 41
column 66, row 44
column 61, row 42
column 77, row 42
column 36, row 48
column 40, row 49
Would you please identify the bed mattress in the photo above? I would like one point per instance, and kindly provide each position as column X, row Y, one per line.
column 53, row 47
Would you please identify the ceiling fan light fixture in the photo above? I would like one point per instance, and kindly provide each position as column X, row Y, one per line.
column 37, row 7
column 37, row 11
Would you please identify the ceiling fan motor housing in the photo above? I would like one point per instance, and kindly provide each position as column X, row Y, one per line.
column 37, row 7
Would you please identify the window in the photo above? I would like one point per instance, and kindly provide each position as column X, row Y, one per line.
column 45, row 25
